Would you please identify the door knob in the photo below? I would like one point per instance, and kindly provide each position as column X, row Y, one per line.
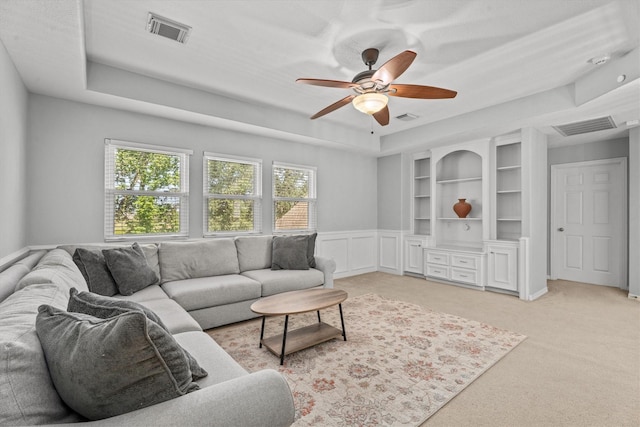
column 561, row 229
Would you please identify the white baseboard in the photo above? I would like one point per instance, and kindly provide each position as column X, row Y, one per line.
column 538, row 294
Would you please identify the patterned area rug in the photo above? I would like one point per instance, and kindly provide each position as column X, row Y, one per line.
column 399, row 365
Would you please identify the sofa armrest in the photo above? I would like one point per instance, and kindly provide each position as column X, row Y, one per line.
column 328, row 267
column 262, row 398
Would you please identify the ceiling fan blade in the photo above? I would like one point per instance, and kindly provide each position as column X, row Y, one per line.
column 382, row 116
column 393, row 68
column 333, row 107
column 422, row 92
column 327, row 83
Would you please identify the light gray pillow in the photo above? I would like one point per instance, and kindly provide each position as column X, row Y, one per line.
column 106, row 367
column 94, row 269
column 104, row 307
column 289, row 253
column 129, row 269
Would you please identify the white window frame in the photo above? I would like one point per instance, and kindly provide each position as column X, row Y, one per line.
column 256, row 197
column 311, row 199
column 111, row 146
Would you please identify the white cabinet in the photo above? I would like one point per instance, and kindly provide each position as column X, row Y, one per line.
column 455, row 265
column 502, row 265
column 413, row 261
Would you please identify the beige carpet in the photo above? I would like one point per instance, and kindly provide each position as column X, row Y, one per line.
column 399, row 365
column 579, row 366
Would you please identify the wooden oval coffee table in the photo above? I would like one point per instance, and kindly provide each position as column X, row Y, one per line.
column 296, row 302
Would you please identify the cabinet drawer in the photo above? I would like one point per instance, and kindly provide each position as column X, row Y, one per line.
column 464, row 261
column 437, row 258
column 437, row 271
column 464, row 276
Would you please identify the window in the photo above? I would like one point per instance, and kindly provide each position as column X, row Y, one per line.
column 146, row 191
column 294, row 198
column 232, row 195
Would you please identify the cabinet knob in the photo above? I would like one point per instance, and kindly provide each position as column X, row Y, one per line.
column 561, row 229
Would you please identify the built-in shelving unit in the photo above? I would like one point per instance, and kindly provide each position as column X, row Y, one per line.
column 459, row 175
column 508, row 184
column 421, row 194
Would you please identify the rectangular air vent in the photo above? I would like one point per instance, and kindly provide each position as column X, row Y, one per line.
column 167, row 28
column 594, row 125
column 406, row 117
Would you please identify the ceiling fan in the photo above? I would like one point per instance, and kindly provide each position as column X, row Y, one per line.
column 371, row 87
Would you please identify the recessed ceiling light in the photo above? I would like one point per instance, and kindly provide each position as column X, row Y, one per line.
column 599, row 60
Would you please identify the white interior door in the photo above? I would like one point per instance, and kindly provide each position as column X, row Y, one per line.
column 589, row 222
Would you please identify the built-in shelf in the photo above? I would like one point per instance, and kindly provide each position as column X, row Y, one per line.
column 508, row 190
column 459, row 219
column 421, row 191
column 457, row 180
column 507, row 168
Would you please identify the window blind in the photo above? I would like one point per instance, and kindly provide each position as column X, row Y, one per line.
column 232, row 195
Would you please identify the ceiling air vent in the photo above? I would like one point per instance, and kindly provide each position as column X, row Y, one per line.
column 407, row 117
column 167, row 28
column 594, row 125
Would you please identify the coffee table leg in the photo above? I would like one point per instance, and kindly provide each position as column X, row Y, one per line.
column 262, row 331
column 344, row 332
column 284, row 339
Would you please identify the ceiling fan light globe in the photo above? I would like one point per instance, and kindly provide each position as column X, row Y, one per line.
column 370, row 103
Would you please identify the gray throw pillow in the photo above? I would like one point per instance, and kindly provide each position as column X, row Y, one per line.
column 129, row 269
column 289, row 253
column 311, row 249
column 106, row 367
column 94, row 269
column 106, row 307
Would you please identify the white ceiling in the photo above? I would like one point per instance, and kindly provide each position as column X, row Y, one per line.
column 514, row 63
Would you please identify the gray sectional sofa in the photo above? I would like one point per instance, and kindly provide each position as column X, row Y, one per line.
column 201, row 284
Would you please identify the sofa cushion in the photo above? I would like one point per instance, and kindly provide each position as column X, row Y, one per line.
column 93, row 267
column 277, row 281
column 27, row 394
column 211, row 356
column 175, row 317
column 129, row 269
column 203, row 258
column 289, row 253
column 105, row 307
column 193, row 294
column 56, row 266
column 143, row 295
column 10, row 276
column 106, row 367
column 254, row 252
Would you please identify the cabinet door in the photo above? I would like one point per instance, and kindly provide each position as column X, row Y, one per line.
column 413, row 256
column 503, row 267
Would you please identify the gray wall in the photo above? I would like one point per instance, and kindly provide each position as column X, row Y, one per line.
column 13, row 166
column 390, row 192
column 66, row 169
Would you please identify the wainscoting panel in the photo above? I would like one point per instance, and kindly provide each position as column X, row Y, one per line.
column 355, row 252
column 390, row 252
